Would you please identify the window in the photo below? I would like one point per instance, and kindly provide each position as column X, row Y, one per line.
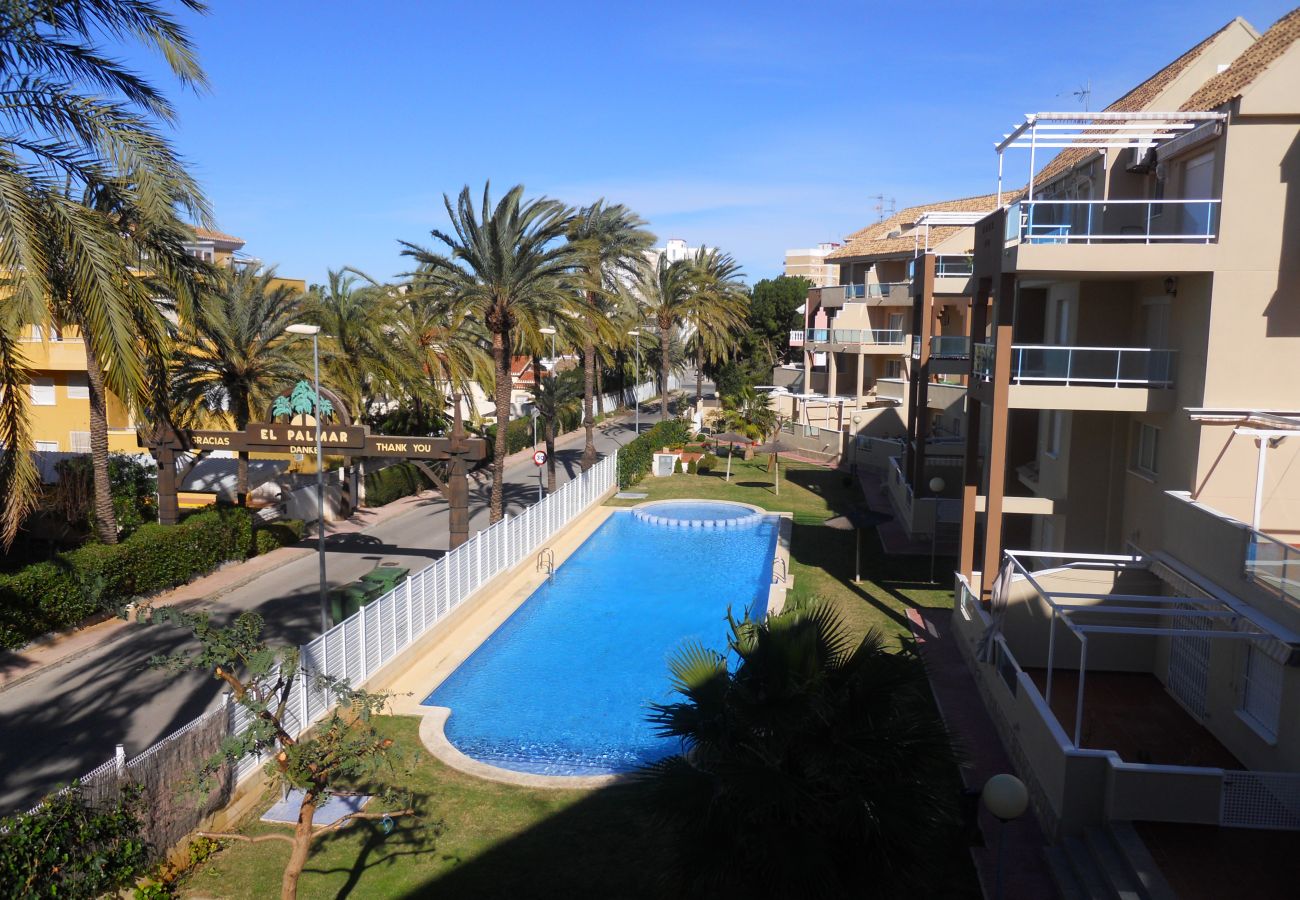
column 79, row 441
column 47, row 446
column 78, row 387
column 1144, row 452
column 42, row 391
column 894, row 368
column 1261, row 691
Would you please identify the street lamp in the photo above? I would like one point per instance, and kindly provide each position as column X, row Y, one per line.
column 1007, row 798
column 636, row 379
column 551, row 331
column 314, row 331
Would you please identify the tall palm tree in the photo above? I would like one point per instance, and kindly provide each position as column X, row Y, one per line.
column 817, row 767
column 124, row 321
column 74, row 119
column 236, row 355
column 610, row 241
column 510, row 265
column 702, row 294
column 449, row 347
column 553, row 394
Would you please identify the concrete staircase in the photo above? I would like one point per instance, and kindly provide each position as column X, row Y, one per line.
column 1106, row 863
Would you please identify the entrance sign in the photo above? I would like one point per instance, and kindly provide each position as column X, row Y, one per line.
column 339, row 440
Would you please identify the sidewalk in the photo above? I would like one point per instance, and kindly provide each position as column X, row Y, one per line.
column 1024, row 869
column 18, row 666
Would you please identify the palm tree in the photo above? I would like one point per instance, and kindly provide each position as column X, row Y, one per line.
column 751, row 411
column 552, row 395
column 236, row 356
column 817, row 767
column 73, row 120
column 610, row 242
column 702, row 294
column 449, row 347
column 510, row 265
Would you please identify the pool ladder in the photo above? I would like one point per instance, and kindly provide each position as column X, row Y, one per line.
column 785, row 572
column 546, row 560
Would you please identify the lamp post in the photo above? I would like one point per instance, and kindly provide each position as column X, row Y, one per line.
column 314, row 331
column 1007, row 798
column 551, row 331
column 636, row 379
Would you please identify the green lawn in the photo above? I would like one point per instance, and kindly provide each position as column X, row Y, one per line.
column 480, row 839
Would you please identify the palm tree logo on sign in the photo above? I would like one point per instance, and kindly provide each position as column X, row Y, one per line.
column 299, row 406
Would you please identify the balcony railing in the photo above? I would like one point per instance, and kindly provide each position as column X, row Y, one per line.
column 948, row 266
column 1112, row 221
column 796, row 338
column 1082, row 366
column 1274, row 566
column 950, row 346
column 888, row 336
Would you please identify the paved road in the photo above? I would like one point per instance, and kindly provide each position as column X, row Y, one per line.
column 65, row 720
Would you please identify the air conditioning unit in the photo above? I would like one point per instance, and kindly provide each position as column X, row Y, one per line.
column 1144, row 161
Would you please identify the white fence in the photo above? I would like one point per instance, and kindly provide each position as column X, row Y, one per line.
column 359, row 646
column 641, row 393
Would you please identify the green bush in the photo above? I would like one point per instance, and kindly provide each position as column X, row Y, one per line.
column 69, row 848
column 277, row 534
column 394, row 482
column 708, row 462
column 637, row 456
column 100, row 578
column 677, row 466
column 519, row 435
column 691, row 468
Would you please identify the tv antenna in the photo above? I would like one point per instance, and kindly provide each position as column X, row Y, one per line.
column 881, row 200
column 1083, row 94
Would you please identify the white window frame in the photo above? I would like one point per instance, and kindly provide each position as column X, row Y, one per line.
column 1138, row 461
column 42, row 383
column 1261, row 692
column 46, row 446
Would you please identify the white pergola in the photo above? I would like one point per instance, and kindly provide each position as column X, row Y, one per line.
column 948, row 219
column 1074, row 608
column 1096, row 131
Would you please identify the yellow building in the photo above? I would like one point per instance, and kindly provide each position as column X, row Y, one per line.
column 60, row 393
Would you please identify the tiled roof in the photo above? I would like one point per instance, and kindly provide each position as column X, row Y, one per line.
column 1229, row 83
column 1134, row 101
column 208, row 234
column 874, row 240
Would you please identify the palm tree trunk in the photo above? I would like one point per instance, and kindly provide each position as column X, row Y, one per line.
column 699, row 383
column 501, row 358
column 105, row 520
column 550, row 455
column 588, row 392
column 241, row 416
column 600, row 391
column 663, row 371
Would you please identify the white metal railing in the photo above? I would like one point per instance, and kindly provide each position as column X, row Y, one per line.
column 1112, row 221
column 359, row 646
column 1082, row 366
column 948, row 265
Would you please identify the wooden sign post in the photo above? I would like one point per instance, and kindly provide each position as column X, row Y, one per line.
column 167, row 443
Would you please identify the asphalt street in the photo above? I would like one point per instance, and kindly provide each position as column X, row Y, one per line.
column 65, row 720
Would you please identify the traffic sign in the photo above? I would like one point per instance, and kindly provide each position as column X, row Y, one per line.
column 539, row 457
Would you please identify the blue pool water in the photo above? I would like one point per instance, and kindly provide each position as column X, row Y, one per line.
column 562, row 687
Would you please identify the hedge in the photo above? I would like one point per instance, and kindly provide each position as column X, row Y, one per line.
column 394, row 482
column 637, row 456
column 62, row 592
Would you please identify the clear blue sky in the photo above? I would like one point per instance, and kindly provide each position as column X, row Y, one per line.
column 332, row 129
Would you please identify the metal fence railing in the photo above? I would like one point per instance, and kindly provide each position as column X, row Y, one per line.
column 354, row 649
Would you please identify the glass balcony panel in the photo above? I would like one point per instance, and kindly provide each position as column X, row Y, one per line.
column 951, row 346
column 1112, row 221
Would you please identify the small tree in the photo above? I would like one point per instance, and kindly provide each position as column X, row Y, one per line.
column 341, row 749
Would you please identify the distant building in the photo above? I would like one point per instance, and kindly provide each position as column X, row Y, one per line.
column 676, row 250
column 810, row 263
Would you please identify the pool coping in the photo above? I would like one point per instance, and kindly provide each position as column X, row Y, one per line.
column 479, row 617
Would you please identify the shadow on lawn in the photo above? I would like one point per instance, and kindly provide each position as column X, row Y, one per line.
column 604, row 845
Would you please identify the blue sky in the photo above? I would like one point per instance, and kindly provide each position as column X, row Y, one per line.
column 332, row 129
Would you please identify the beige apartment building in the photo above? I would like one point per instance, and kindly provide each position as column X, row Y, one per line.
column 1128, row 585
column 810, row 263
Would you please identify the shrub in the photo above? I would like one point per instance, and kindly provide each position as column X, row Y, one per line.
column 100, row 578
column 691, row 468
column 393, row 482
column 708, row 462
column 69, row 848
column 637, row 456
column 277, row 534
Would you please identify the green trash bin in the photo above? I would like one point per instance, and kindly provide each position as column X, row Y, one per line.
column 385, row 576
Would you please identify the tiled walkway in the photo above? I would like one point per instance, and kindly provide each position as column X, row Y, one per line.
column 1024, row 873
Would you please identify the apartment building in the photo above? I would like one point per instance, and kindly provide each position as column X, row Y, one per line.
column 1128, row 589
column 810, row 263
column 60, row 394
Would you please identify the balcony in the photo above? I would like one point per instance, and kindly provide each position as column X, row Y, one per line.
column 939, row 395
column 952, row 272
column 1131, row 379
column 1274, row 566
column 861, row 340
column 796, row 338
column 1111, row 235
column 895, row 293
column 944, row 346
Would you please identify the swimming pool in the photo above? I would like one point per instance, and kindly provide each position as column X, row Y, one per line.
column 562, row 686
